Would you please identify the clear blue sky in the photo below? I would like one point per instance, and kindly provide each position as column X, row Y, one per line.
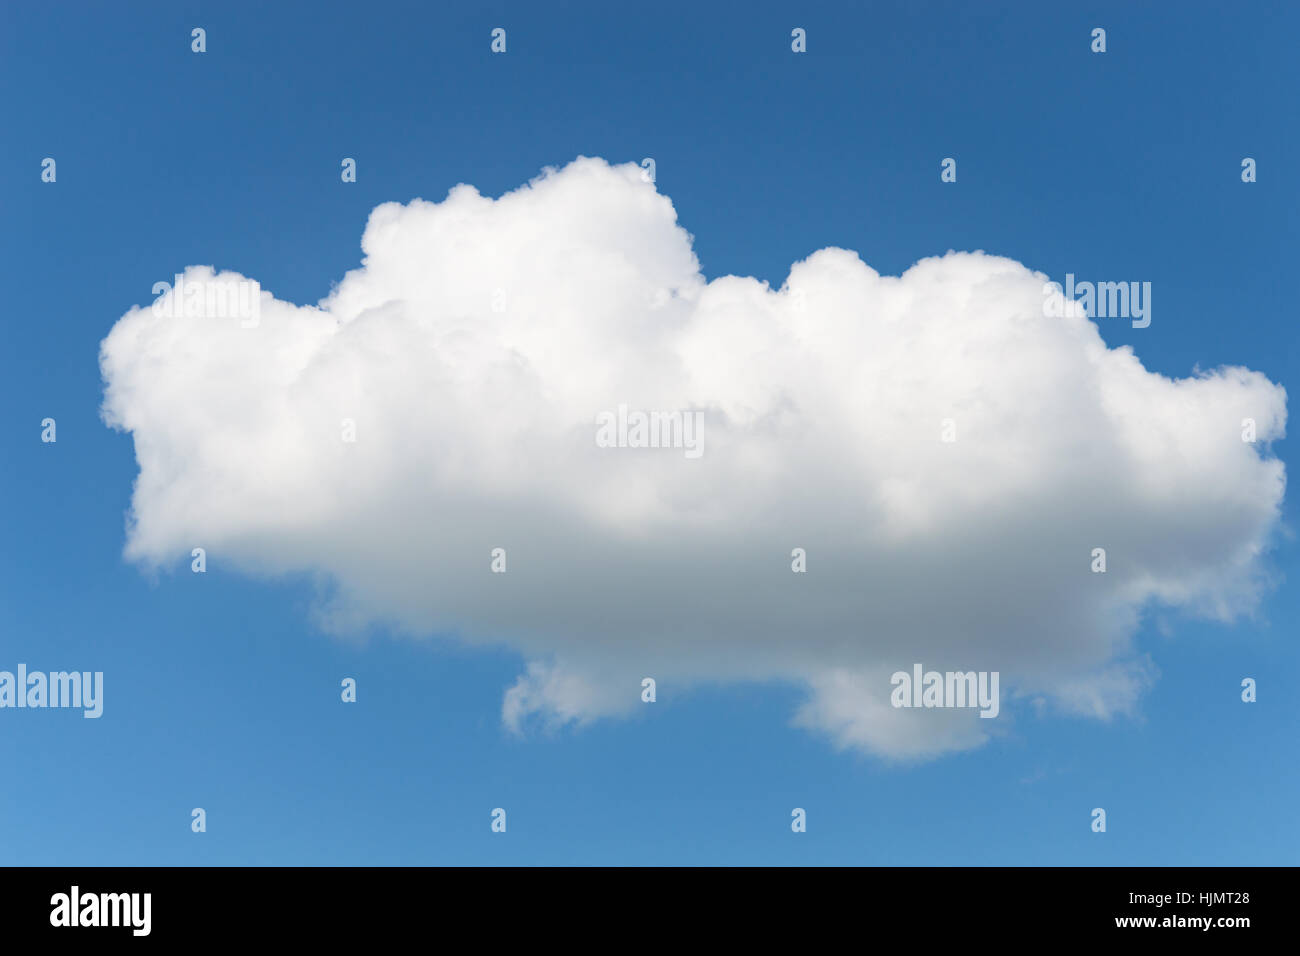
column 219, row 694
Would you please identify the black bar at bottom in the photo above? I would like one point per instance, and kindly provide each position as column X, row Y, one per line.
column 656, row 907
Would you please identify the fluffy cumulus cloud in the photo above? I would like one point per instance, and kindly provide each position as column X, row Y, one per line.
column 474, row 352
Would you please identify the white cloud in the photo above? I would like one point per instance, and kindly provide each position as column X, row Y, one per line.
column 822, row 402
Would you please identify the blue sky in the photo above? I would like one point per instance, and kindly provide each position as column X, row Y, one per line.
column 219, row 692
